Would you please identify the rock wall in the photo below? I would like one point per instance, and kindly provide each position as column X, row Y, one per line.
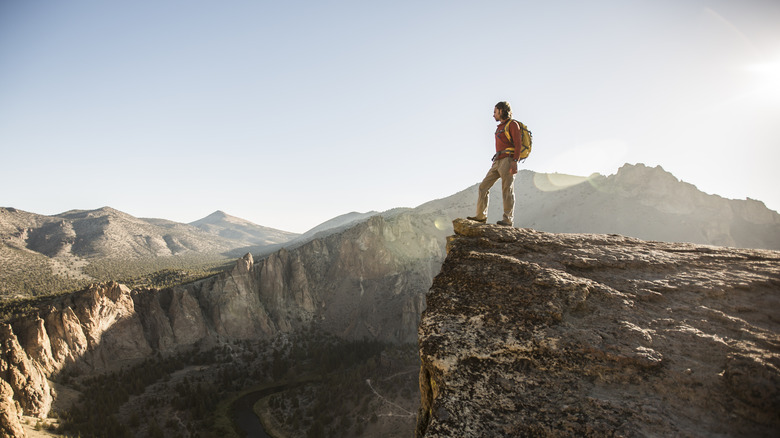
column 366, row 282
column 535, row 334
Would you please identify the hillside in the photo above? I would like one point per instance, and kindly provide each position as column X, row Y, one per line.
column 45, row 254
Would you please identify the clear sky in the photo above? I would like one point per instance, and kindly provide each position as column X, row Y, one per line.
column 288, row 113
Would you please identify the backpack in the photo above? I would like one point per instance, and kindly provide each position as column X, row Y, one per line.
column 525, row 147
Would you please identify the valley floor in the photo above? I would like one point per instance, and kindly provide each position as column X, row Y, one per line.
column 191, row 394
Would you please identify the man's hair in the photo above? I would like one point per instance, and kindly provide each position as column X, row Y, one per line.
column 505, row 109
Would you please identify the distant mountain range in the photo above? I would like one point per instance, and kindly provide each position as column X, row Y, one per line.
column 109, row 233
column 638, row 201
column 40, row 254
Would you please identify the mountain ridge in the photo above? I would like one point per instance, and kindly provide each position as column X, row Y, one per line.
column 43, row 254
column 637, row 201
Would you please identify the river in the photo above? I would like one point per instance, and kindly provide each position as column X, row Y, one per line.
column 244, row 418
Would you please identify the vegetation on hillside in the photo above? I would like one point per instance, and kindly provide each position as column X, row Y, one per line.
column 19, row 307
column 158, row 272
column 22, row 287
column 29, row 274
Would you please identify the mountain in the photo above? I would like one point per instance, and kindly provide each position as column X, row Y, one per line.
column 528, row 333
column 109, row 233
column 41, row 254
column 638, row 201
column 230, row 227
column 337, row 223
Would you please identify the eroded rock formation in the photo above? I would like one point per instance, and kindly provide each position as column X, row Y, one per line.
column 535, row 334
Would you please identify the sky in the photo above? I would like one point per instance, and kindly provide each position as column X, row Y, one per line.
column 290, row 113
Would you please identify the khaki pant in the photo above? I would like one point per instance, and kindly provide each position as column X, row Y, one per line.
column 499, row 169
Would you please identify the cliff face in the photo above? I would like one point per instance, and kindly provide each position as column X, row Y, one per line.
column 367, row 282
column 534, row 334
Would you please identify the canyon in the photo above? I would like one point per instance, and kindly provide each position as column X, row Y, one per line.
column 383, row 267
column 367, row 276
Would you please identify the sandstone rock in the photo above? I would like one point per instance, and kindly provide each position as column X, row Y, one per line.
column 186, row 318
column 27, row 381
column 534, row 334
column 10, row 413
column 233, row 305
column 154, row 318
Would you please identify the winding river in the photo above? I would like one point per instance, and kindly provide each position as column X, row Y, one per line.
column 244, row 418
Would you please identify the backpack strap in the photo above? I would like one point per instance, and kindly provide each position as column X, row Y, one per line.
column 506, row 131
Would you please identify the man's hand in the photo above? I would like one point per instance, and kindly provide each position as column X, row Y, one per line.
column 513, row 167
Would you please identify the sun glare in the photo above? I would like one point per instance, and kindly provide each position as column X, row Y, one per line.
column 551, row 182
column 767, row 77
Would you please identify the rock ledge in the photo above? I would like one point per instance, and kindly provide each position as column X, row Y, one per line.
column 537, row 334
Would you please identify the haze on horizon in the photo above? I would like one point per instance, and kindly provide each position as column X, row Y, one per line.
column 289, row 114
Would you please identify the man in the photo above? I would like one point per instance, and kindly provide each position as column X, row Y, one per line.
column 504, row 166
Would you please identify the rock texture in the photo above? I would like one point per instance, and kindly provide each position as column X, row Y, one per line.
column 534, row 334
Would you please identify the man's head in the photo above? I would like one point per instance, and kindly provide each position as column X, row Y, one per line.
column 502, row 111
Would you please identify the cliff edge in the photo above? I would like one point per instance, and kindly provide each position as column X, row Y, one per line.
column 536, row 334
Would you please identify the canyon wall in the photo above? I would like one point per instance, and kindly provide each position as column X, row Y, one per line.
column 529, row 333
column 366, row 282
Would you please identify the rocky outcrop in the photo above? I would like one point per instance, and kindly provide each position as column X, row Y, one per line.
column 366, row 282
column 528, row 333
column 10, row 412
column 24, row 377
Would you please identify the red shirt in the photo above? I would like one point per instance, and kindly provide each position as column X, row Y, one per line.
column 502, row 142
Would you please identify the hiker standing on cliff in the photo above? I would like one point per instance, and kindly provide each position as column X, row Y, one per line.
column 504, row 165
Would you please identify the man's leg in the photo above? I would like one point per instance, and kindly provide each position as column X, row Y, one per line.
column 484, row 191
column 507, row 189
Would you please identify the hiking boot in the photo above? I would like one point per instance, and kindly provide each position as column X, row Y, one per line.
column 472, row 218
column 504, row 223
